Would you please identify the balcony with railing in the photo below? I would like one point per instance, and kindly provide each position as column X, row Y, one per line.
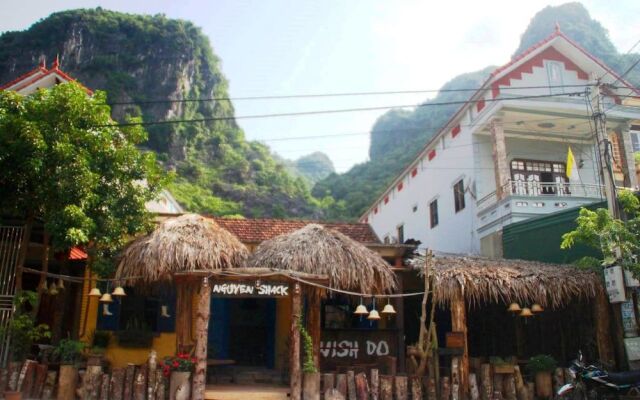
column 525, row 199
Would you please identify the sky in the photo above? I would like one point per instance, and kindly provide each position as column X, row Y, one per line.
column 291, row 47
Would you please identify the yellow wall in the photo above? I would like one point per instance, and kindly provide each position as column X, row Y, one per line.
column 283, row 325
column 164, row 345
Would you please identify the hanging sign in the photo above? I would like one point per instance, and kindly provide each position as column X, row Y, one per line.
column 250, row 289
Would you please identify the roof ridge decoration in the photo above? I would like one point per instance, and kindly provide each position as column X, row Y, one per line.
column 39, row 73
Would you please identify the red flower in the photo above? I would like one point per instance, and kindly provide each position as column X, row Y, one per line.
column 175, row 364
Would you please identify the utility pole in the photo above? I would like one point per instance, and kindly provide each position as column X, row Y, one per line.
column 604, row 149
column 605, row 156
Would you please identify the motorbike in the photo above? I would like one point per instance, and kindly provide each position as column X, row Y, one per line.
column 593, row 382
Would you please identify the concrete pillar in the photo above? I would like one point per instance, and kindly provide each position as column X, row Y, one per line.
column 627, row 156
column 500, row 164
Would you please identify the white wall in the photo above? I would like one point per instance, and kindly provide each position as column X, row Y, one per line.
column 435, row 179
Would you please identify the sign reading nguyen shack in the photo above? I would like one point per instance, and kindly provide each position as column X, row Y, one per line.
column 253, row 289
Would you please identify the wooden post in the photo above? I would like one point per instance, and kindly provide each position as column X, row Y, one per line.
column 459, row 324
column 399, row 322
column 140, row 386
column 153, row 365
column 602, row 319
column 362, row 387
column 314, row 324
column 130, row 375
column 521, row 389
column 351, row 385
column 311, row 386
column 375, row 384
column 328, row 382
column 455, row 378
column 386, row 387
column 341, row 384
column 202, row 332
column 160, row 385
column 401, row 388
column 117, row 384
column 416, row 388
column 295, row 379
column 4, row 377
column 49, row 385
column 487, row 382
column 104, row 387
column 432, row 390
column 184, row 313
column 474, row 392
column 497, row 387
column 445, row 390
column 40, row 378
column 333, row 394
column 509, row 387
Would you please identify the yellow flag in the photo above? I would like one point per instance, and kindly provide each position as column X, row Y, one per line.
column 571, row 163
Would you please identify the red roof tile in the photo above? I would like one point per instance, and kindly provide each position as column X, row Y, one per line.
column 258, row 230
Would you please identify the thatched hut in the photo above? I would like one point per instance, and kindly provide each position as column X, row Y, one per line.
column 477, row 290
column 184, row 250
column 315, row 249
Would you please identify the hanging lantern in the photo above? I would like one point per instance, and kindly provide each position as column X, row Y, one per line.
column 118, row 292
column 60, row 284
column 53, row 289
column 373, row 315
column 95, row 292
column 388, row 308
column 106, row 298
column 526, row 313
column 361, row 310
column 514, row 308
column 536, row 308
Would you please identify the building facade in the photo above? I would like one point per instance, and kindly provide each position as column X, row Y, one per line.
column 502, row 157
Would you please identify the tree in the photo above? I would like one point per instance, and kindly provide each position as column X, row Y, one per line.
column 64, row 162
column 618, row 240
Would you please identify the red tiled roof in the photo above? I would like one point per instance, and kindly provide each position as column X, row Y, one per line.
column 258, row 230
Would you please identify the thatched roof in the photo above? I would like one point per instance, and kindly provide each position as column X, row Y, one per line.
column 484, row 280
column 182, row 244
column 318, row 250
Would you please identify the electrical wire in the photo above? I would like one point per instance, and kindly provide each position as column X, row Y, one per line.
column 334, row 111
column 323, row 95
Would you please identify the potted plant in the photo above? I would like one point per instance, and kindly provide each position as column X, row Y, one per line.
column 24, row 332
column 541, row 367
column 178, row 369
column 311, row 376
column 69, row 352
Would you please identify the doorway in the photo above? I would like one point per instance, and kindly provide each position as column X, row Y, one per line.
column 243, row 330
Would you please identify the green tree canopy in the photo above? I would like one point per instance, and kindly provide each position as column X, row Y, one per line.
column 64, row 162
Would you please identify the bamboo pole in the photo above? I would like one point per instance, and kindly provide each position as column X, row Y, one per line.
column 202, row 331
column 184, row 312
column 295, row 379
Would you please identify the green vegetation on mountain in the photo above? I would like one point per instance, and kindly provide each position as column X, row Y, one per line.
column 398, row 135
column 312, row 167
column 137, row 58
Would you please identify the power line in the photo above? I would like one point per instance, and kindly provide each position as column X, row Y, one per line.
column 334, row 111
column 323, row 136
column 321, row 95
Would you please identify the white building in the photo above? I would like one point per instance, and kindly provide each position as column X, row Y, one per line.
column 501, row 159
